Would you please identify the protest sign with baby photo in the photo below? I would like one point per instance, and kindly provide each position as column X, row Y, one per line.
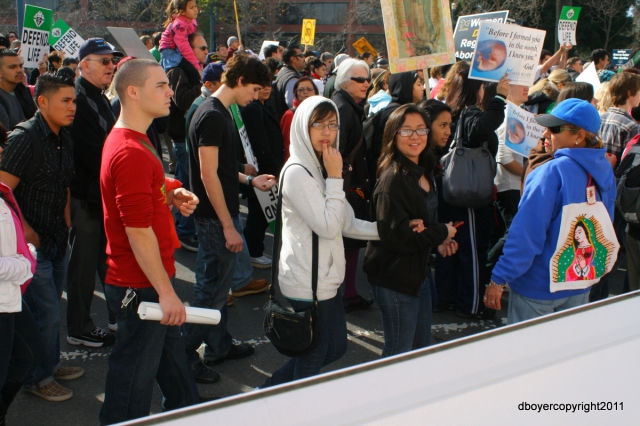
column 506, row 49
column 522, row 132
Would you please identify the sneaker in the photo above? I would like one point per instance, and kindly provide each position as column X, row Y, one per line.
column 240, row 351
column 203, row 374
column 356, row 303
column 52, row 392
column 113, row 326
column 229, row 300
column 190, row 244
column 254, row 287
column 262, row 262
column 98, row 338
column 68, row 373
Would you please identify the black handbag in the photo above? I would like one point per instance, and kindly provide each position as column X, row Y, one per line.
column 292, row 333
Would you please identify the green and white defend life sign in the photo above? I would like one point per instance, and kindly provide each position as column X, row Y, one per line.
column 35, row 35
column 66, row 39
column 567, row 25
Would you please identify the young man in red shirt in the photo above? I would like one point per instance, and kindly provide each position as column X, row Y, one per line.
column 140, row 244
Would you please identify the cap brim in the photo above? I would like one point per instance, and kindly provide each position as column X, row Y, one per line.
column 106, row 52
column 549, row 120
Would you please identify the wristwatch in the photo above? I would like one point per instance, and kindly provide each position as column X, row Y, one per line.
column 248, row 181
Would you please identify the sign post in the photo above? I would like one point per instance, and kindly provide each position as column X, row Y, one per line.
column 567, row 25
column 66, row 39
column 35, row 35
column 308, row 36
column 466, row 31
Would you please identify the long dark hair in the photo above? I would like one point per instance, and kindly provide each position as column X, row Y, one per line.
column 433, row 108
column 391, row 155
column 463, row 92
column 301, row 80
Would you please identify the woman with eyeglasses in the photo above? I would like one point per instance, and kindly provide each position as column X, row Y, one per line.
column 303, row 89
column 352, row 84
column 397, row 265
column 525, row 264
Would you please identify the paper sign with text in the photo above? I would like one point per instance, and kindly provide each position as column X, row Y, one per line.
column 620, row 56
column 66, row 39
column 567, row 24
column 522, row 132
column 503, row 48
column 269, row 202
column 590, row 75
column 631, row 63
column 466, row 31
column 35, row 35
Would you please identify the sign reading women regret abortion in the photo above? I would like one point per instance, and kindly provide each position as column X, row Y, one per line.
column 506, row 49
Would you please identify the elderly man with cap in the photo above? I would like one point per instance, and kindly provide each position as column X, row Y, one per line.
column 93, row 122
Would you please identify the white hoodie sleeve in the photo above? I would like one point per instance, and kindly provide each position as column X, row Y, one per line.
column 324, row 214
column 358, row 229
column 15, row 269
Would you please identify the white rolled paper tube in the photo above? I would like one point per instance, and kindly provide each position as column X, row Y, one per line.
column 152, row 311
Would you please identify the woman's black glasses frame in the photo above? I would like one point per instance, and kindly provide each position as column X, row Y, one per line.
column 361, row 80
column 558, row 129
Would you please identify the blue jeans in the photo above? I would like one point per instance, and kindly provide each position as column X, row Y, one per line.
column 43, row 298
column 214, row 275
column 523, row 308
column 185, row 226
column 331, row 334
column 406, row 320
column 146, row 351
column 170, row 58
column 243, row 270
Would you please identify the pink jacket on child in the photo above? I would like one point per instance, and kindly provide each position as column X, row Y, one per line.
column 176, row 36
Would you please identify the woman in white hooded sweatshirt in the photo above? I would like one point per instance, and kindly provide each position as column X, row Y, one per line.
column 316, row 204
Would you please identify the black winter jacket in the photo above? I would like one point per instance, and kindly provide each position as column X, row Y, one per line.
column 186, row 88
column 399, row 260
column 480, row 126
column 265, row 136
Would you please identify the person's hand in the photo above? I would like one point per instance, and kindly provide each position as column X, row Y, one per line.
column 264, row 182
column 250, row 170
column 566, row 47
column 451, row 230
column 448, row 248
column 173, row 310
column 417, row 225
column 581, row 261
column 612, row 159
column 493, row 297
column 31, row 236
column 332, row 161
column 503, row 85
column 185, row 201
column 233, row 240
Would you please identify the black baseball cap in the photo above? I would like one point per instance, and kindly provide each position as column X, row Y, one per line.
column 96, row 46
column 4, row 41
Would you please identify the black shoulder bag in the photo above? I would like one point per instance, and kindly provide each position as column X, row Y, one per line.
column 292, row 333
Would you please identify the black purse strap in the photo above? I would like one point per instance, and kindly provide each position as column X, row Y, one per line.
column 277, row 236
column 459, row 130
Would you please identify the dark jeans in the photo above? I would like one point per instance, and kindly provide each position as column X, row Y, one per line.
column 43, row 298
column 146, row 351
column 185, row 226
column 256, row 225
column 331, row 332
column 406, row 319
column 88, row 255
column 507, row 204
column 214, row 275
column 459, row 277
column 21, row 350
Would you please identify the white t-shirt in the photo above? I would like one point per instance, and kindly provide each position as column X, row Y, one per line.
column 505, row 180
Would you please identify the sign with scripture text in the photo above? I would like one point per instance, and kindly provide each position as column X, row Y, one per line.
column 522, row 132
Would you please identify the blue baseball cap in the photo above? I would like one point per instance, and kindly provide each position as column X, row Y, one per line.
column 214, row 71
column 96, row 46
column 572, row 111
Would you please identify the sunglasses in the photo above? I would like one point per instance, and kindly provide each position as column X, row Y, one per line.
column 558, row 129
column 361, row 80
column 407, row 133
column 203, row 48
column 106, row 61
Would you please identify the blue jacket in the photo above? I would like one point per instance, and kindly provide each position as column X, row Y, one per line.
column 534, row 232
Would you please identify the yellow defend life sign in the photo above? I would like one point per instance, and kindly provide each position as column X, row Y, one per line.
column 363, row 45
column 308, row 32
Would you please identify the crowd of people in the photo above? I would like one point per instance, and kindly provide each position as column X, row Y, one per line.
column 83, row 191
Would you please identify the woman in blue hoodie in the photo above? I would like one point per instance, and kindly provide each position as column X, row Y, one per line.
column 525, row 263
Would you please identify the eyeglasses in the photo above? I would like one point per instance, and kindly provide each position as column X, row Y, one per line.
column 321, row 126
column 300, row 55
column 558, row 129
column 407, row 133
column 305, row 90
column 203, row 48
column 105, row 61
column 361, row 80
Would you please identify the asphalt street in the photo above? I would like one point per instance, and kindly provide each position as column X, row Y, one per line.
column 245, row 324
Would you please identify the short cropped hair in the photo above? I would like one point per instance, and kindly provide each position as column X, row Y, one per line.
column 68, row 61
column 133, row 72
column 4, row 53
column 620, row 85
column 270, row 50
column 156, row 38
column 48, row 84
column 598, row 54
column 250, row 68
column 344, row 71
column 193, row 36
column 290, row 52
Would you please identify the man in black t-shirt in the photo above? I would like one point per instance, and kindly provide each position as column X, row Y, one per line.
column 215, row 180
